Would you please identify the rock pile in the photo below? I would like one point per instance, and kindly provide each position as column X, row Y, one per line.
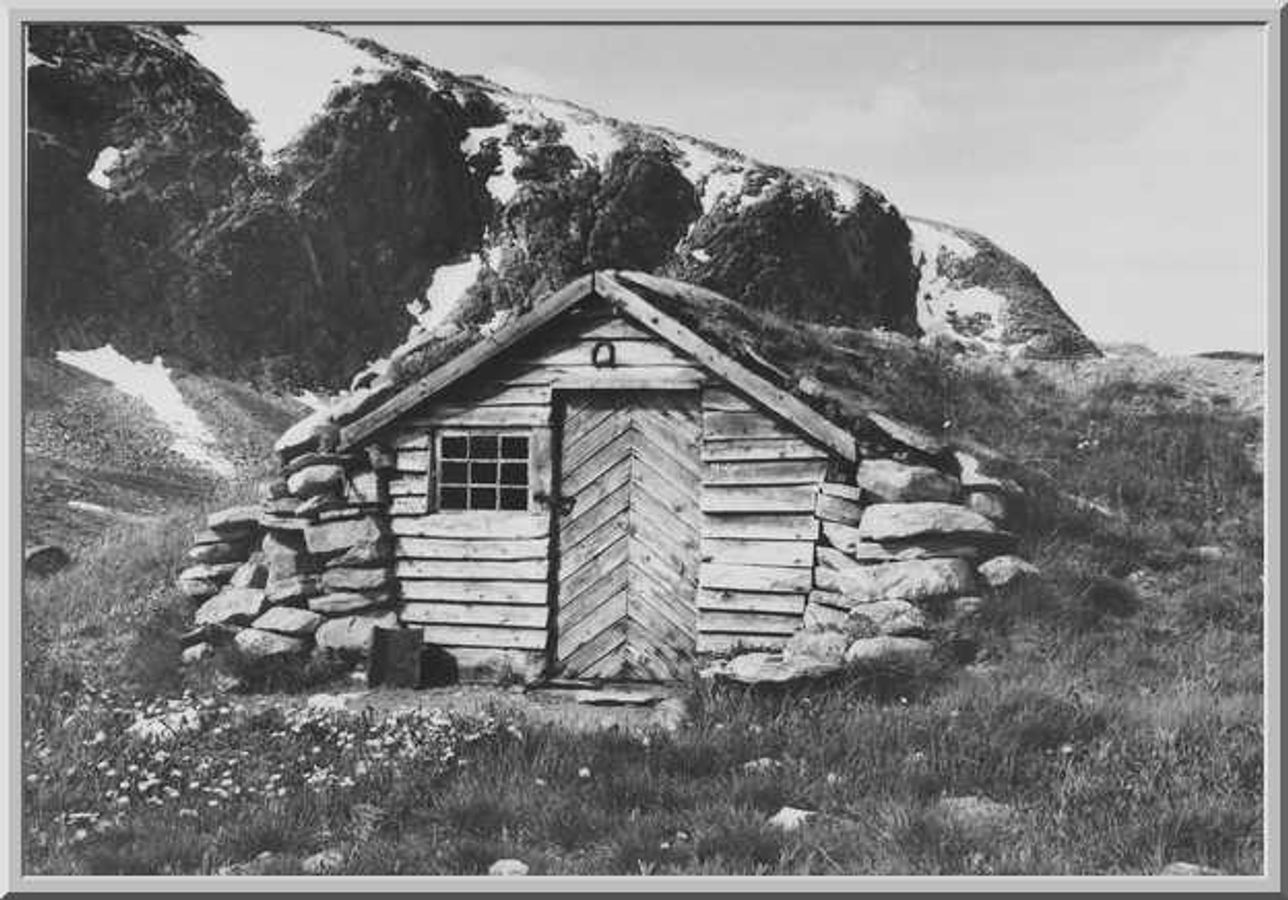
column 310, row 567
column 903, row 548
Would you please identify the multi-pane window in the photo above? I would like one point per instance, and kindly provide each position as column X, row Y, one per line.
column 483, row 471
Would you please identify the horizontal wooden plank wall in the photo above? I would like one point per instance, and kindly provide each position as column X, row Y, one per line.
column 759, row 484
column 478, row 582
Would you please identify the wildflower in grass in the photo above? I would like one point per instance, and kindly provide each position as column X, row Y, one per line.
column 583, row 772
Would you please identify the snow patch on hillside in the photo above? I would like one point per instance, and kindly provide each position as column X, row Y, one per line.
column 502, row 185
column 101, row 175
column 973, row 315
column 152, row 384
column 589, row 136
column 301, row 65
column 446, row 290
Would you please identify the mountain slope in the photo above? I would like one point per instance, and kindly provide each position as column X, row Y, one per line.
column 95, row 451
column 410, row 190
column 974, row 292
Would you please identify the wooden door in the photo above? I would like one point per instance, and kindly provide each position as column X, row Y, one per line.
column 628, row 524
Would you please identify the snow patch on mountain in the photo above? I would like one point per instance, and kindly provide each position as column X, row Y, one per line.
column 302, row 66
column 101, row 174
column 446, row 290
column 972, row 315
column 152, row 384
column 589, row 135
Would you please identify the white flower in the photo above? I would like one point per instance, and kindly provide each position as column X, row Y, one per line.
column 583, row 772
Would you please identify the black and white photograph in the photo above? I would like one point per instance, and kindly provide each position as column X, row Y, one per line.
column 528, row 449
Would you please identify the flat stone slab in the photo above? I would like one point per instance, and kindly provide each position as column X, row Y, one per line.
column 350, row 579
column 353, row 633
column 772, row 668
column 886, row 650
column 335, row 537
column 898, row 482
column 217, row 572
column 257, row 644
column 291, row 591
column 235, row 606
column 339, row 603
column 912, row 580
column 289, row 621
column 219, row 552
column 234, row 520
column 899, row 521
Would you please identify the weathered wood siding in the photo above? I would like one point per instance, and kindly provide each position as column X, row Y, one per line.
column 479, row 582
column 760, row 481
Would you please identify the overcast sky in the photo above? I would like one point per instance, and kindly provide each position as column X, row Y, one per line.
column 1126, row 164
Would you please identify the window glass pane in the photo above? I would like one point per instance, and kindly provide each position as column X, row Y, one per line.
column 454, row 473
column 451, row 498
column 453, row 447
column 512, row 498
column 483, row 473
column 482, row 498
column 514, row 447
column 514, row 473
column 483, row 446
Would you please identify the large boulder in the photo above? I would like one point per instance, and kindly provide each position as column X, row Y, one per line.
column 257, row 644
column 353, row 634
column 1004, row 571
column 231, row 606
column 915, row 581
column 898, row 482
column 316, row 480
column 903, row 521
column 887, row 650
column 334, row 537
column 288, row 620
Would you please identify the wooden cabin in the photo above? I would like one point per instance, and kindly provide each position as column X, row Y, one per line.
column 596, row 492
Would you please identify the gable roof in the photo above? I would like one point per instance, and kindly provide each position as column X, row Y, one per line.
column 621, row 291
column 871, row 384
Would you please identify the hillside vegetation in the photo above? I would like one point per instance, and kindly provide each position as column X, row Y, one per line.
column 1115, row 708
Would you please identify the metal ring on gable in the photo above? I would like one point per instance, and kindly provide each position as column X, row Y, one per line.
column 603, row 355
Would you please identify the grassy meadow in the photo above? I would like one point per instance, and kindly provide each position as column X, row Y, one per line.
column 1116, row 708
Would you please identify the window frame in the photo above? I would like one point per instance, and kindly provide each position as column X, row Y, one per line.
column 437, row 436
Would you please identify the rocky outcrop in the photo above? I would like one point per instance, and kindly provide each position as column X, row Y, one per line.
column 979, row 297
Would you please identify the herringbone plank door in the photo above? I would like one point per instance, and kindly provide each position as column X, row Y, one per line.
column 628, row 546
